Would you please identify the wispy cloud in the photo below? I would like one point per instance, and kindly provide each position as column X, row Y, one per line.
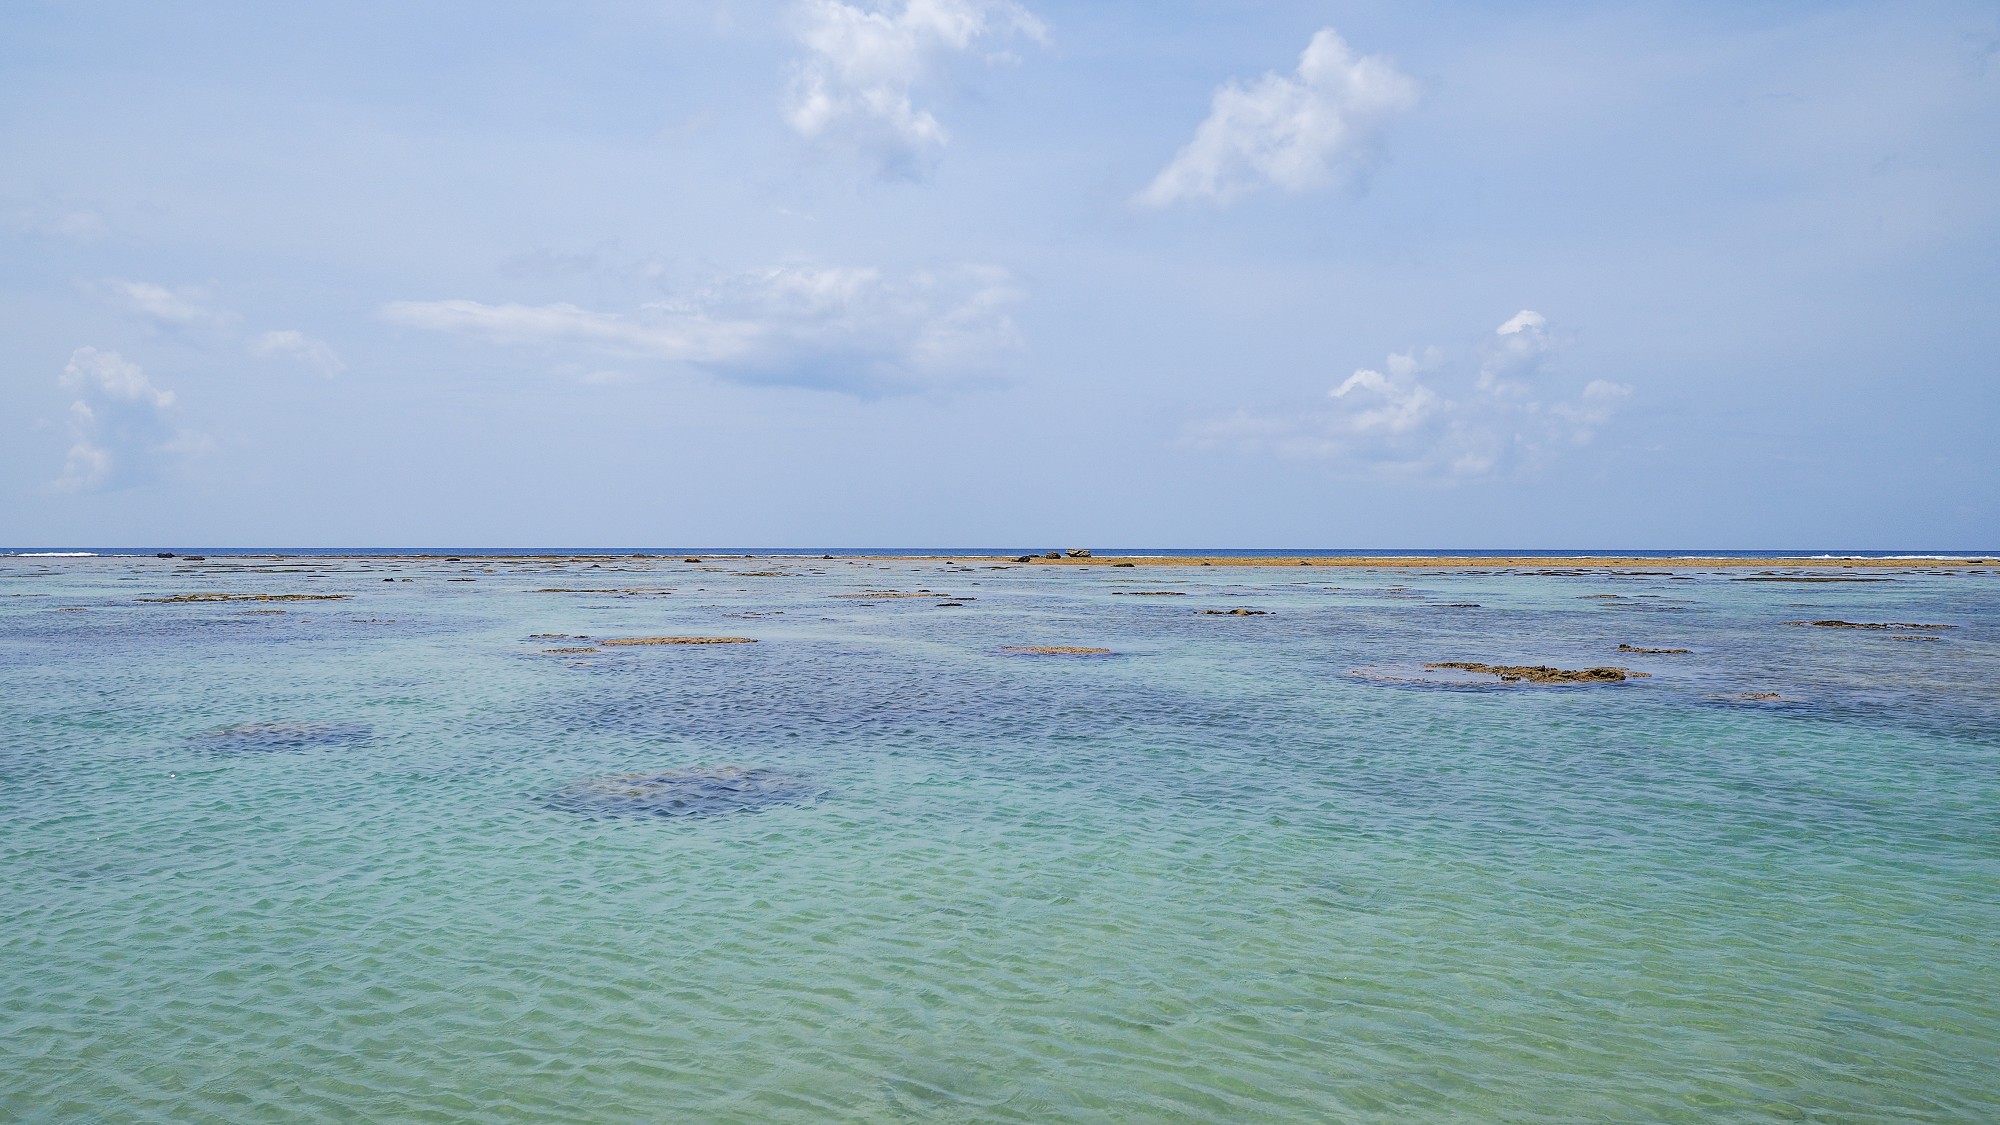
column 864, row 63
column 181, row 306
column 1422, row 414
column 313, row 354
column 1313, row 128
column 848, row 329
column 120, row 424
column 73, row 224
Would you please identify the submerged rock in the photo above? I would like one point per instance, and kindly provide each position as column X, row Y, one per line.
column 1236, row 612
column 1655, row 651
column 698, row 791
column 251, row 738
column 1542, row 673
column 1055, row 650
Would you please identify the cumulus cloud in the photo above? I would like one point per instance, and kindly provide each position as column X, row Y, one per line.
column 1422, row 414
column 849, row 329
column 120, row 424
column 1310, row 129
column 864, row 63
column 315, row 355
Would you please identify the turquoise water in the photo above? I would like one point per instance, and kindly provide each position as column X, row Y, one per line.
column 327, row 863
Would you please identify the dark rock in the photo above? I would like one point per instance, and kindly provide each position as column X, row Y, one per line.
column 164, row 555
column 1236, row 612
column 1655, row 651
column 1124, row 564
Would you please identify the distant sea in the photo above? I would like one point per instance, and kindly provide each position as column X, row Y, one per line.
column 398, row 838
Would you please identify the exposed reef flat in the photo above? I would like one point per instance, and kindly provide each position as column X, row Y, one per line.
column 179, row 598
column 1892, row 626
column 1542, row 673
column 679, row 641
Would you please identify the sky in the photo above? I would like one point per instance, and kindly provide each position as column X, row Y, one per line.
column 981, row 273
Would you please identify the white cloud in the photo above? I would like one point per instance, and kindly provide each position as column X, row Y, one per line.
column 1296, row 133
column 120, row 423
column 834, row 328
column 316, row 355
column 1422, row 415
column 184, row 306
column 855, row 86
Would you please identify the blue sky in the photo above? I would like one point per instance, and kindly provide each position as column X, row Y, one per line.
column 965, row 272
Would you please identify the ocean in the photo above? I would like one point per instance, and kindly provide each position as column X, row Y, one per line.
column 411, row 841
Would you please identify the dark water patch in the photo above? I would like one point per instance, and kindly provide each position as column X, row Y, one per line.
column 262, row 738
column 695, row 792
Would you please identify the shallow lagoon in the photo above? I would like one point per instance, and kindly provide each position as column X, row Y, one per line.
column 316, row 863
